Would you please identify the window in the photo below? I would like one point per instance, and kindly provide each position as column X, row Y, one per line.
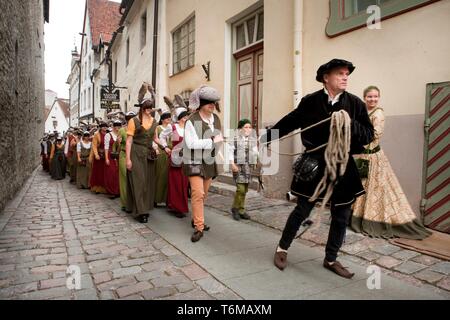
column 183, row 41
column 143, row 29
column 348, row 15
column 249, row 31
column 357, row 6
column 127, row 61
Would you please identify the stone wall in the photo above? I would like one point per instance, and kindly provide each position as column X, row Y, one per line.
column 21, row 92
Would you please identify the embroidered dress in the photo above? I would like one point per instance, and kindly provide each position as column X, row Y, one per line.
column 384, row 210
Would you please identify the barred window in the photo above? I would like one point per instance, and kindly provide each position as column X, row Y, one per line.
column 183, row 40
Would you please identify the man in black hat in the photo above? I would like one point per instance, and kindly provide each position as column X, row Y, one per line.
column 312, row 109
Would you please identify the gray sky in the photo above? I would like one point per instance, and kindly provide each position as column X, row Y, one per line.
column 61, row 35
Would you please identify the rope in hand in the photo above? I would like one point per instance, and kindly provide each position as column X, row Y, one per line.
column 336, row 156
column 298, row 132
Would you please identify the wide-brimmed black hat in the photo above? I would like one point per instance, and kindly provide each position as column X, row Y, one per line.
column 330, row 65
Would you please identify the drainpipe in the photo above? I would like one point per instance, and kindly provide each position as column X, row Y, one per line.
column 79, row 88
column 155, row 42
column 297, row 60
column 298, row 50
column 93, row 95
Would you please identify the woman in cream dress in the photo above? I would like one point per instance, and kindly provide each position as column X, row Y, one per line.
column 384, row 210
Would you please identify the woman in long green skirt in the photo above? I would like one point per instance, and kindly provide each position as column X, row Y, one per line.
column 82, row 163
column 140, row 158
column 123, row 161
column 162, row 164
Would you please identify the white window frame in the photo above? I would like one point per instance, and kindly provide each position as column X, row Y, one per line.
column 243, row 21
column 176, row 29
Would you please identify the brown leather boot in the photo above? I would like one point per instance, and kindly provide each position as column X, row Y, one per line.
column 338, row 268
column 196, row 236
column 280, row 259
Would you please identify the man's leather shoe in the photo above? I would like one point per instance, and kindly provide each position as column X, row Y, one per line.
column 280, row 259
column 338, row 268
column 196, row 236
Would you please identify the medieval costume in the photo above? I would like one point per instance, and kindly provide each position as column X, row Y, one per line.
column 384, row 211
column 123, row 162
column 162, row 166
column 97, row 158
column 44, row 153
column 178, row 183
column 244, row 156
column 312, row 109
column 50, row 142
column 83, row 165
column 141, row 158
column 58, row 160
column 199, row 152
column 112, row 161
column 72, row 156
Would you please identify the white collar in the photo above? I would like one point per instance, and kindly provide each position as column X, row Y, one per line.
column 335, row 99
column 210, row 121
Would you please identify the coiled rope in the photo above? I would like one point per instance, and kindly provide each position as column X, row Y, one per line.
column 336, row 156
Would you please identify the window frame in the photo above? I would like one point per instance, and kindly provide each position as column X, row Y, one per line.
column 243, row 22
column 144, row 29
column 177, row 29
column 338, row 24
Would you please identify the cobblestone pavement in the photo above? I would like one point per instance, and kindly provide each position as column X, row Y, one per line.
column 52, row 225
column 410, row 266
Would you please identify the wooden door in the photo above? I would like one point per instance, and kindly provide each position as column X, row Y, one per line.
column 250, row 86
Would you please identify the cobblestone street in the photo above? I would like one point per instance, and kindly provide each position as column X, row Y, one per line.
column 53, row 225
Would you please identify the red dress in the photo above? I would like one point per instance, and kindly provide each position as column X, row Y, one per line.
column 112, row 171
column 177, row 193
column 97, row 180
